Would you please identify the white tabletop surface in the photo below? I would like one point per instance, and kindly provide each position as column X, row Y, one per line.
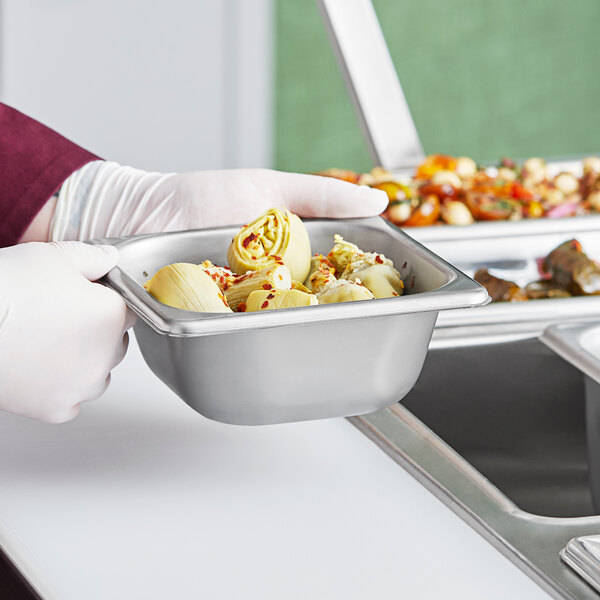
column 141, row 497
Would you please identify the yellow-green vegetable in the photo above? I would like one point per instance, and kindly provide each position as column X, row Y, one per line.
column 344, row 291
column 270, row 300
column 342, row 253
column 272, row 278
column 276, row 237
column 373, row 270
column 320, row 266
column 296, row 285
column 187, row 286
column 383, row 280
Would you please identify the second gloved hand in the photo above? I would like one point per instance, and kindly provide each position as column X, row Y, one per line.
column 105, row 199
column 60, row 333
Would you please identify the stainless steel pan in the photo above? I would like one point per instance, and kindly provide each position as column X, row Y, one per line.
column 292, row 364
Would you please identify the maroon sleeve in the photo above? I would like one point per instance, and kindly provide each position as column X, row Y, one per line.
column 34, row 161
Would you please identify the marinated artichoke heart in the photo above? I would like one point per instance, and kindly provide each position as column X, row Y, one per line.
column 320, row 280
column 222, row 276
column 296, row 285
column 342, row 253
column 342, row 290
column 376, row 273
column 277, row 277
column 270, row 300
column 187, row 286
column 373, row 270
column 328, row 289
column 276, row 237
column 319, row 267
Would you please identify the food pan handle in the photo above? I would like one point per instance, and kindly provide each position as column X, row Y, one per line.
column 571, row 342
column 133, row 295
column 373, row 83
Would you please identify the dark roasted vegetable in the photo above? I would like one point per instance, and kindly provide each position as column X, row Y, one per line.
column 570, row 268
column 500, row 290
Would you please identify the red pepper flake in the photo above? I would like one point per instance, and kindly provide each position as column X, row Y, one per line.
column 270, row 296
column 254, row 258
column 412, row 282
column 241, row 307
column 249, row 239
column 378, row 259
column 265, row 304
column 267, row 286
column 277, row 258
column 404, row 265
column 394, row 293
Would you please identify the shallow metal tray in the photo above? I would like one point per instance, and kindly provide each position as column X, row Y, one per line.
column 291, row 364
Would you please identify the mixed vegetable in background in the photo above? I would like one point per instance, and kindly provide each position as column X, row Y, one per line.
column 456, row 191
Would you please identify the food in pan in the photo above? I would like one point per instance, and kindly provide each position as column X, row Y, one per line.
column 536, row 290
column 276, row 237
column 571, row 269
column 273, row 299
column 187, row 286
column 373, row 270
column 237, row 291
column 566, row 271
column 500, row 290
column 342, row 290
column 270, row 267
column 456, row 191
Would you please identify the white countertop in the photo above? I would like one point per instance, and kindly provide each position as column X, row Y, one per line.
column 141, row 497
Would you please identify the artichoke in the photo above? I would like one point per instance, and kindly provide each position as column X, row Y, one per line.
column 276, row 237
column 272, row 278
column 342, row 290
column 222, row 276
column 384, row 281
column 342, row 253
column 320, row 267
column 373, row 270
column 187, row 286
column 270, row 300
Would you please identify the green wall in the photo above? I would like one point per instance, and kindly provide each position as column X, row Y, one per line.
column 482, row 78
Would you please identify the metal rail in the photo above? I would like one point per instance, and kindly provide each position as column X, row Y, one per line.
column 373, row 83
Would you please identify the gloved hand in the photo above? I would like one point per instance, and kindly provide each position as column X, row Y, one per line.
column 60, row 334
column 105, row 199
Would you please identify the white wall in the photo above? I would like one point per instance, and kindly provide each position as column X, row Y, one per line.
column 164, row 85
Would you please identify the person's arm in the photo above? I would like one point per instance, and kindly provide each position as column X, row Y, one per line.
column 34, row 162
column 98, row 199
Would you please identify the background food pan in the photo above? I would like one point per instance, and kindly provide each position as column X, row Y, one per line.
column 514, row 256
column 299, row 363
column 480, row 231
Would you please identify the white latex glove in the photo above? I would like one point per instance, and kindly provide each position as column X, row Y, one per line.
column 60, row 334
column 105, row 199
